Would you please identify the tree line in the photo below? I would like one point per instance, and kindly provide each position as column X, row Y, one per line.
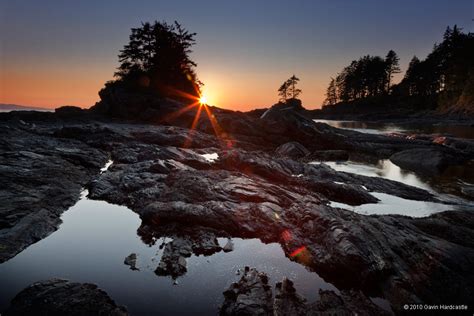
column 366, row 77
column 447, row 70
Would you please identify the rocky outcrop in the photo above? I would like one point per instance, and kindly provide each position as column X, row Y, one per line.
column 424, row 160
column 328, row 155
column 292, row 150
column 160, row 173
column 251, row 194
column 40, row 177
column 252, row 295
column 62, row 297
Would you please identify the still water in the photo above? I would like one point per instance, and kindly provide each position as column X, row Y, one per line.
column 456, row 130
column 94, row 239
column 443, row 188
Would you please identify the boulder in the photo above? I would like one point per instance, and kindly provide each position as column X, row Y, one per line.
column 131, row 261
column 62, row 297
column 425, row 160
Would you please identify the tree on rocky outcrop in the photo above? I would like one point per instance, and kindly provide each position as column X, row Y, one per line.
column 292, row 90
column 288, row 89
column 157, row 58
column 283, row 92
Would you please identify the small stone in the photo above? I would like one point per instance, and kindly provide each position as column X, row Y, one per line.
column 131, row 260
column 229, row 246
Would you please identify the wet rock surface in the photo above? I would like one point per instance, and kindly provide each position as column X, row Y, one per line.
column 40, row 177
column 159, row 172
column 62, row 297
column 131, row 261
column 252, row 295
column 428, row 161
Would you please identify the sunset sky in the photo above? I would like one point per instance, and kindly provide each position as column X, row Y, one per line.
column 54, row 53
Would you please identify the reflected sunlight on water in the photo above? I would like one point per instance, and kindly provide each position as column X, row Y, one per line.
column 390, row 204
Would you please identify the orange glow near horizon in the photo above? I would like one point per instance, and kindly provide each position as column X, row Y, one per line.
column 32, row 85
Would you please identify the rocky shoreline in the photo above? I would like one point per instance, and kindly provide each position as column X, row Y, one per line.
column 259, row 186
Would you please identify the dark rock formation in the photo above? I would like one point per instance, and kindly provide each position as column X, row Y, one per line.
column 62, row 297
column 131, row 261
column 159, row 173
column 229, row 246
column 252, row 295
column 424, row 160
column 40, row 177
column 292, row 150
column 328, row 155
column 287, row 301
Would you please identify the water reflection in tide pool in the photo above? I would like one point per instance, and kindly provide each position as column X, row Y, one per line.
column 383, row 168
column 390, row 204
column 95, row 237
column 456, row 130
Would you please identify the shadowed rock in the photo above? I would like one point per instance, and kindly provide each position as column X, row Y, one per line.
column 293, row 150
column 425, row 160
column 131, row 261
column 62, row 297
column 159, row 173
column 252, row 295
column 40, row 177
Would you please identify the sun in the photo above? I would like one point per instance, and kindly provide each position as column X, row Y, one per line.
column 203, row 100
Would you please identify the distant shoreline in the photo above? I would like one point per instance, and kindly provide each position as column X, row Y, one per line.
column 16, row 107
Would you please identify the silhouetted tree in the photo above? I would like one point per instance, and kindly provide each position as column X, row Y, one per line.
column 410, row 76
column 288, row 89
column 283, row 92
column 362, row 78
column 393, row 67
column 445, row 76
column 331, row 93
column 446, row 69
column 157, row 57
column 292, row 90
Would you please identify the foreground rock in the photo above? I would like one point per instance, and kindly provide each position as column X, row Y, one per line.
column 40, row 177
column 252, row 295
column 248, row 194
column 160, row 173
column 62, row 297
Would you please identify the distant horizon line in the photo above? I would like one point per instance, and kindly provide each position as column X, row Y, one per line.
column 2, row 105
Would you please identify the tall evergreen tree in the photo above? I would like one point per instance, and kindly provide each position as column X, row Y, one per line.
column 331, row 93
column 393, row 67
column 288, row 89
column 159, row 52
column 292, row 90
column 283, row 92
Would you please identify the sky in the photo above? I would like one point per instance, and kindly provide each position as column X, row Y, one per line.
column 55, row 53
